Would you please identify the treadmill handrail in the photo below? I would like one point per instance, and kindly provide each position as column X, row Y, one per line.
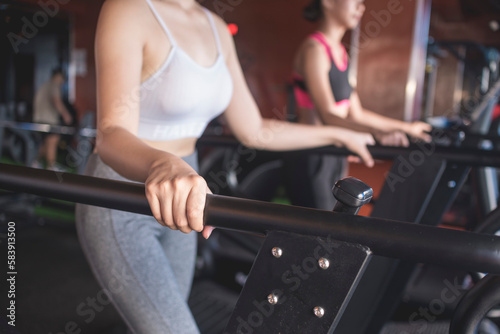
column 458, row 155
column 411, row 242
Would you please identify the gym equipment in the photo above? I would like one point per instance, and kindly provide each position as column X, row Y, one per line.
column 21, row 141
column 423, row 197
column 22, row 137
column 421, row 187
column 343, row 242
column 475, row 305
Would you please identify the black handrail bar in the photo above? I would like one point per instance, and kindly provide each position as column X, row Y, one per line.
column 48, row 128
column 458, row 155
column 418, row 243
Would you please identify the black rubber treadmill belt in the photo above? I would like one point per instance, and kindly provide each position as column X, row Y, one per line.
column 211, row 305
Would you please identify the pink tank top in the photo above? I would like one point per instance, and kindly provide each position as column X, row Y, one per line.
column 182, row 97
column 338, row 76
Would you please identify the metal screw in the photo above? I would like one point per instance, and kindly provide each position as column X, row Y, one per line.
column 324, row 263
column 319, row 311
column 277, row 252
column 272, row 299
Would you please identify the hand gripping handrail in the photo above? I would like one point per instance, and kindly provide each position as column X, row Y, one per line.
column 412, row 242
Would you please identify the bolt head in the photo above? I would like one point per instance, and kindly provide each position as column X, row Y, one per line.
column 277, row 252
column 319, row 311
column 272, row 299
column 324, row 263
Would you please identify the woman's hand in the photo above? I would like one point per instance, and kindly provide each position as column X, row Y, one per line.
column 394, row 138
column 356, row 142
column 176, row 195
column 419, row 130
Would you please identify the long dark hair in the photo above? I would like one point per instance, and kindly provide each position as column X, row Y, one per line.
column 313, row 12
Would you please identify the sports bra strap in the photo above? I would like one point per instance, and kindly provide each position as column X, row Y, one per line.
column 320, row 38
column 162, row 23
column 214, row 29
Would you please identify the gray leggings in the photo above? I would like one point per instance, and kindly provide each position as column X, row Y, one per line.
column 145, row 268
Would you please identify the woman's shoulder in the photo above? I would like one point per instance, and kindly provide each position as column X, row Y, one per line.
column 123, row 5
column 123, row 17
column 311, row 52
column 311, row 46
column 123, row 10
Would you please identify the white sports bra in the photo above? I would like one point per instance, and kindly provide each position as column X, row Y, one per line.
column 182, row 97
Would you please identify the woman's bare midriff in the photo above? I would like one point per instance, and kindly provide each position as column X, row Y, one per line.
column 180, row 147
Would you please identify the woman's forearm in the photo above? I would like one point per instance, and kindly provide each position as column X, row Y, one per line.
column 347, row 123
column 276, row 135
column 379, row 122
column 128, row 155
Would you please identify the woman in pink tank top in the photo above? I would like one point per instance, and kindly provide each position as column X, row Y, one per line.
column 324, row 96
column 330, row 99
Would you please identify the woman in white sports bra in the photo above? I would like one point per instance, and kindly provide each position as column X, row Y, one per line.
column 164, row 70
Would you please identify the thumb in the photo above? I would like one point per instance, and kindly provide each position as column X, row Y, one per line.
column 207, row 231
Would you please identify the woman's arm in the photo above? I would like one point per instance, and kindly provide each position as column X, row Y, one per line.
column 366, row 117
column 175, row 192
column 246, row 123
column 316, row 65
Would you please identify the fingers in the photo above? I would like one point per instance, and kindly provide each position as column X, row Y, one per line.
column 400, row 139
column 160, row 205
column 427, row 127
column 367, row 158
column 179, row 206
column 421, row 131
column 394, row 138
column 354, row 159
column 426, row 137
column 154, row 205
column 370, row 140
column 359, row 146
column 178, row 203
column 195, row 204
column 404, row 141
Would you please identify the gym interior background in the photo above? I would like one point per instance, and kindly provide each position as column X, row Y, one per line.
column 389, row 58
column 411, row 60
